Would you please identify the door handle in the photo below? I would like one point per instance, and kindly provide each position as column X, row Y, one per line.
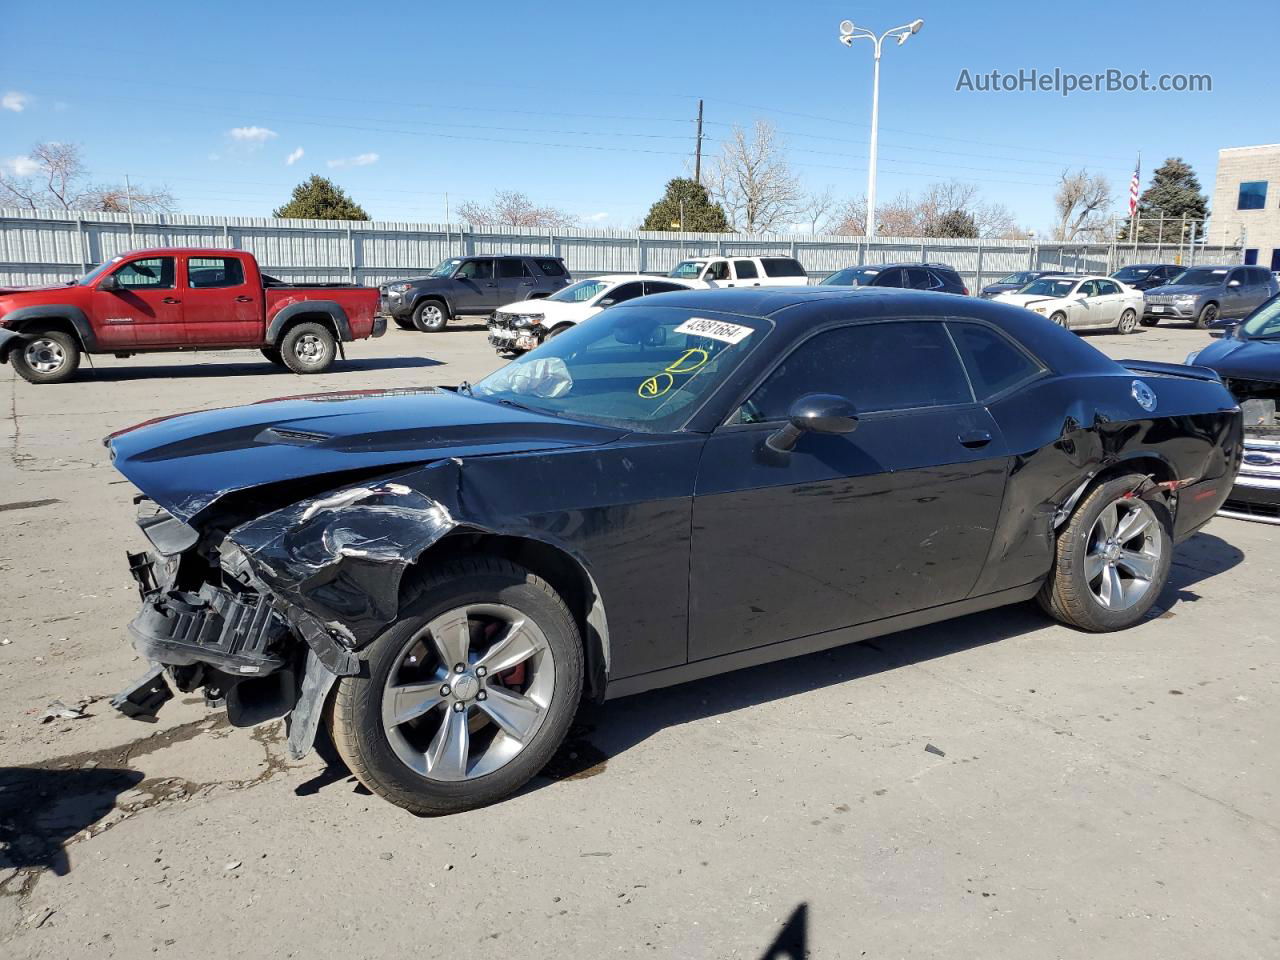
column 170, row 300
column 974, row 439
column 243, row 299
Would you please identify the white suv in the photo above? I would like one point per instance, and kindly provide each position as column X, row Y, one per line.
column 742, row 271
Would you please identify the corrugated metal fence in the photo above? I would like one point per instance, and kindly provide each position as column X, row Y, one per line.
column 52, row 246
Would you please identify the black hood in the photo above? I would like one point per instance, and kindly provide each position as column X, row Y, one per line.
column 188, row 461
column 1242, row 359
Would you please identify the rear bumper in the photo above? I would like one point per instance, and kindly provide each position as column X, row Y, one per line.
column 379, row 326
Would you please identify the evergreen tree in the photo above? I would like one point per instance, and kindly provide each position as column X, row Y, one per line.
column 321, row 199
column 1174, row 191
column 957, row 224
column 700, row 214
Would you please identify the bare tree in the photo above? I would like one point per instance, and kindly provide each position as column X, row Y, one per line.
column 513, row 209
column 933, row 213
column 117, row 198
column 51, row 175
column 754, row 184
column 1081, row 201
column 849, row 218
column 815, row 210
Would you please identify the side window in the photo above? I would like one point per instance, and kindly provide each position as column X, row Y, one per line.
column 659, row 286
column 719, row 270
column 994, row 363
column 889, row 278
column 1260, row 276
column 476, row 270
column 1087, row 289
column 204, row 272
column 918, row 278
column 900, row 365
column 782, row 267
column 942, row 280
column 745, row 269
column 1238, row 274
column 552, row 268
column 510, row 267
column 1106, row 287
column 624, row 292
column 154, row 273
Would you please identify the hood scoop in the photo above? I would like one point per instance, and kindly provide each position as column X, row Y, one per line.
column 291, row 437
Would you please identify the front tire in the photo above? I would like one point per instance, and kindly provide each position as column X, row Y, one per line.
column 1060, row 319
column 468, row 695
column 1207, row 315
column 48, row 357
column 1112, row 559
column 431, row 316
column 1128, row 323
column 308, row 348
column 404, row 323
column 273, row 354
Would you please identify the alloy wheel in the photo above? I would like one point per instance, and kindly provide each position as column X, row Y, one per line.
column 468, row 692
column 1123, row 553
column 44, row 355
column 1128, row 321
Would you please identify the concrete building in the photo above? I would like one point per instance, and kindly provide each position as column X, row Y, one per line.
column 1245, row 209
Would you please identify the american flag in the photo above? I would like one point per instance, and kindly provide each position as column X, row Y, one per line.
column 1133, row 188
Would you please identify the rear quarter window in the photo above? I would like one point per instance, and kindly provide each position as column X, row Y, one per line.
column 994, row 362
column 782, row 267
column 552, row 268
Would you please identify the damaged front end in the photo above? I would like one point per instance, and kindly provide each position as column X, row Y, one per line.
column 1256, row 492
column 266, row 616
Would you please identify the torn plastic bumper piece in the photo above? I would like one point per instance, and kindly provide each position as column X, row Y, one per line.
column 241, row 634
column 143, row 698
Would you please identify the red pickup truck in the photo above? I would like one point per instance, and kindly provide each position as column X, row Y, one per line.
column 179, row 298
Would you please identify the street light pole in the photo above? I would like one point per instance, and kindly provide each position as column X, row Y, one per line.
column 848, row 33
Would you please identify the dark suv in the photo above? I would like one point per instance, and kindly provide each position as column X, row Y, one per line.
column 910, row 276
column 1144, row 276
column 469, row 287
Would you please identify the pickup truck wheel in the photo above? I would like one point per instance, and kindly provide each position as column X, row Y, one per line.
column 1112, row 559
column 48, row 357
column 308, row 348
column 431, row 316
column 468, row 695
column 273, row 354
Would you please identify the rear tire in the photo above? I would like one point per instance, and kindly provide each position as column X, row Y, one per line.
column 308, row 348
column 1128, row 323
column 407, row 677
column 431, row 316
column 1103, row 581
column 50, row 356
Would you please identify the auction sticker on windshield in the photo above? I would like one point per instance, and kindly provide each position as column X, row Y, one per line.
column 715, row 329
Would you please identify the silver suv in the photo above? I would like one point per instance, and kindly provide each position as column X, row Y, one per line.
column 1204, row 295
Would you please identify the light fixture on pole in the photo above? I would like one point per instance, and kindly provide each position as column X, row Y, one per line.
column 849, row 32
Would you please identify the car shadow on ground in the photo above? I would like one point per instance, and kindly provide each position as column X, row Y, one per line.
column 40, row 810
column 246, row 368
column 602, row 731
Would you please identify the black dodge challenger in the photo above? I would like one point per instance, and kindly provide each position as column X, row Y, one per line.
column 684, row 485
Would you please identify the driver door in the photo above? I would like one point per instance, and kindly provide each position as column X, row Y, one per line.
column 144, row 310
column 476, row 288
column 845, row 529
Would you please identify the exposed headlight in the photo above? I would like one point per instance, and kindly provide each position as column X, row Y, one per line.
column 1191, row 357
column 528, row 319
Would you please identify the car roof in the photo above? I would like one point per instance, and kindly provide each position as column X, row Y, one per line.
column 627, row 277
column 903, row 263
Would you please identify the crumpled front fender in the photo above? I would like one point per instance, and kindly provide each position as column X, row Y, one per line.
column 340, row 558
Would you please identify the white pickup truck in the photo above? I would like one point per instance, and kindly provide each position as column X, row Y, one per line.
column 742, row 271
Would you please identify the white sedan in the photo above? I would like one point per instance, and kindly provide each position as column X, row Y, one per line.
column 1080, row 302
column 523, row 325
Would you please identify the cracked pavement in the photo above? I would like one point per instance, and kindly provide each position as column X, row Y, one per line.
column 1081, row 796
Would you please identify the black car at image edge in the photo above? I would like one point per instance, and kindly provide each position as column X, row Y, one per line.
column 683, row 485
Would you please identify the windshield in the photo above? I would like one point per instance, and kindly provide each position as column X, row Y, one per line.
column 446, row 268
column 688, row 269
column 89, row 278
column 1264, row 324
column 850, row 277
column 1201, row 276
column 579, row 292
column 640, row 367
column 1018, row 278
column 1049, row 287
column 1129, row 274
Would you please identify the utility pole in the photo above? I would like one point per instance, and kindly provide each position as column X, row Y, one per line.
column 446, row 207
column 128, row 198
column 697, row 150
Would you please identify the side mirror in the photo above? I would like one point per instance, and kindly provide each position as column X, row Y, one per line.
column 109, row 282
column 814, row 413
column 1233, row 283
column 607, row 302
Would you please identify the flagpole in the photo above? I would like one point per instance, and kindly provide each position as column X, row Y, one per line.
column 1134, row 187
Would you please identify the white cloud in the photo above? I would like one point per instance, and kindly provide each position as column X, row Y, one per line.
column 15, row 101
column 362, row 160
column 597, row 217
column 293, row 158
column 252, row 135
column 20, row 166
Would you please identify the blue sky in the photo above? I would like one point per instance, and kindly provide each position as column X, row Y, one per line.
column 589, row 107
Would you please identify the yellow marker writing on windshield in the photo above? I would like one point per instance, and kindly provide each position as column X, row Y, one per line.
column 656, row 386
column 689, row 361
